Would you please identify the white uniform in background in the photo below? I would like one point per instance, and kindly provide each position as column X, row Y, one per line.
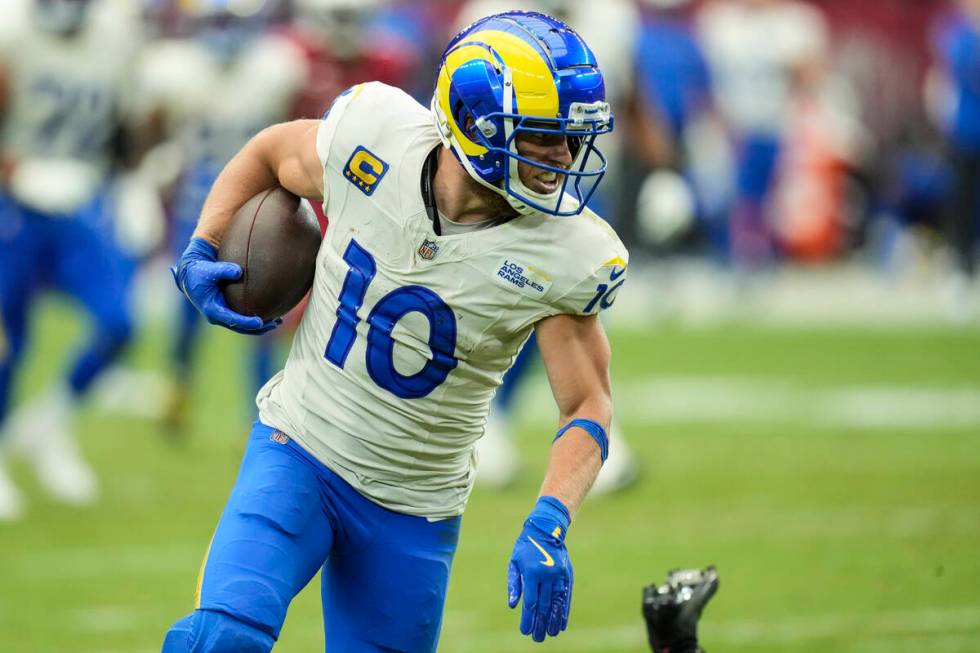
column 212, row 107
column 68, row 81
column 67, row 97
column 753, row 50
column 408, row 334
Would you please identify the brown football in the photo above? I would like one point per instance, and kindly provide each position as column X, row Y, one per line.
column 274, row 237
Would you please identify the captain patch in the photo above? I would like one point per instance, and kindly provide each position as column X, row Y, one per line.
column 365, row 170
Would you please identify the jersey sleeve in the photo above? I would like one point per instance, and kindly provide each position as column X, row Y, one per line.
column 595, row 281
column 327, row 131
column 370, row 129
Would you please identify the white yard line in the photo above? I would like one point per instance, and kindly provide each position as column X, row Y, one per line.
column 717, row 400
column 104, row 562
column 105, row 619
column 961, row 623
column 931, row 622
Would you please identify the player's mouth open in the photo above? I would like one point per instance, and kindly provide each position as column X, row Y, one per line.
column 546, row 182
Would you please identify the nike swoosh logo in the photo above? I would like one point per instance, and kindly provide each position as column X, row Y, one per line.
column 616, row 273
column 548, row 560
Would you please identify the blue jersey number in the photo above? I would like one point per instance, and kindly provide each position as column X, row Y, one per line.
column 382, row 320
column 604, row 296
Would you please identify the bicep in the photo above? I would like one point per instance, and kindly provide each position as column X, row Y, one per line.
column 576, row 355
column 290, row 150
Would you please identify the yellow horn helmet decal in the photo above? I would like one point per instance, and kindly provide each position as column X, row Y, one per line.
column 534, row 86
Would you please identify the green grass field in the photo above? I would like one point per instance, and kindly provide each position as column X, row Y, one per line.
column 833, row 476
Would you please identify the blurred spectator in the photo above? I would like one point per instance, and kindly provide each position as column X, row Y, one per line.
column 347, row 42
column 762, row 53
column 959, row 51
column 64, row 76
column 669, row 111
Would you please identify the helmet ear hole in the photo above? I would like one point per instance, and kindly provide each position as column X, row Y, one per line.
column 459, row 115
column 470, row 129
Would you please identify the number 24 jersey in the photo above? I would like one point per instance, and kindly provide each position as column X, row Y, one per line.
column 408, row 334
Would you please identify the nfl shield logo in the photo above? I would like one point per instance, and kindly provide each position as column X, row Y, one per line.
column 428, row 249
column 279, row 436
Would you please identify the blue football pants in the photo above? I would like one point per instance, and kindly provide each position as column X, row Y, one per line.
column 384, row 573
column 73, row 254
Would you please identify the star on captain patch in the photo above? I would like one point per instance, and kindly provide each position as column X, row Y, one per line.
column 428, row 250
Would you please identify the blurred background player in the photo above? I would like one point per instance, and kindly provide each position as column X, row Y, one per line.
column 762, row 54
column 609, row 28
column 959, row 53
column 215, row 91
column 64, row 68
column 679, row 152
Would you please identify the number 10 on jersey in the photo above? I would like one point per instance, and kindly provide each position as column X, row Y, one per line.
column 391, row 308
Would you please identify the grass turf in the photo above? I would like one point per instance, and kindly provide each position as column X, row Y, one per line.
column 847, row 538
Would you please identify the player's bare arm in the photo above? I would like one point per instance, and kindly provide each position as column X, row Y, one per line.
column 576, row 356
column 281, row 155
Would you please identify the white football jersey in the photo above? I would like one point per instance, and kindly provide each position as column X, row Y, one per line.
column 67, row 96
column 211, row 107
column 408, row 334
column 752, row 51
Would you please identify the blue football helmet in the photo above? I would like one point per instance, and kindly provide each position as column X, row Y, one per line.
column 516, row 73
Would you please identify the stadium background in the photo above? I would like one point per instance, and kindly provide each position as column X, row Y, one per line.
column 807, row 418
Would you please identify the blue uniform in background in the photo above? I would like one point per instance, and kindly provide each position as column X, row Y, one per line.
column 673, row 79
column 671, row 72
column 960, row 49
column 288, row 516
column 77, row 255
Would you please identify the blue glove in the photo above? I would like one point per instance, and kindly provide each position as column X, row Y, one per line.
column 199, row 274
column 540, row 569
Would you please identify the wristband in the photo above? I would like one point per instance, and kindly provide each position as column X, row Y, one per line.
column 594, row 429
column 549, row 506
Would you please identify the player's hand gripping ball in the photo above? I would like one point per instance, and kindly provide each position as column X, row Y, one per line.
column 199, row 276
column 274, row 238
column 541, row 571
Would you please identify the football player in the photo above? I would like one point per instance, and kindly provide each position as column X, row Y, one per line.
column 214, row 92
column 64, row 66
column 455, row 232
column 609, row 28
column 762, row 54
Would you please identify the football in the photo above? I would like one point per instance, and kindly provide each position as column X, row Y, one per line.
column 274, row 237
